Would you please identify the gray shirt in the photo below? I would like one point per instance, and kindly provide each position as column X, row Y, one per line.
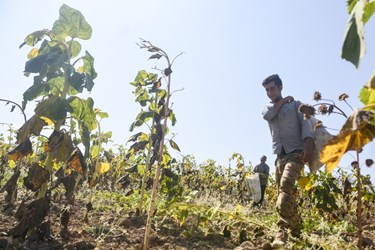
column 264, row 171
column 288, row 127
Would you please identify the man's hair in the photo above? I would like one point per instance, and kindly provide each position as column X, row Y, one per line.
column 273, row 78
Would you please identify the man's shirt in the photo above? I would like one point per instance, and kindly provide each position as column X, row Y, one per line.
column 264, row 169
column 288, row 127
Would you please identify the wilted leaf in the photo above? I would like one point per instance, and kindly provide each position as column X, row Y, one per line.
column 140, row 145
column 53, row 107
column 60, row 145
column 32, row 127
column 24, row 149
column 36, row 176
column 34, row 37
column 155, row 56
column 36, row 90
column 103, row 167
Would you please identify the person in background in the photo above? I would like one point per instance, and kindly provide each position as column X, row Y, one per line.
column 293, row 143
column 264, row 171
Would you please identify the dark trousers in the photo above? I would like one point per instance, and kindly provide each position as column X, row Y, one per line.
column 262, row 191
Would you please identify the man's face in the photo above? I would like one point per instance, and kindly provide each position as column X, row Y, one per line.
column 273, row 92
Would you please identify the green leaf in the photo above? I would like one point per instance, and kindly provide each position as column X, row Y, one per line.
column 142, row 98
column 88, row 65
column 35, row 91
column 94, row 151
column 174, row 145
column 140, row 78
column 367, row 95
column 85, row 137
column 83, row 111
column 351, row 4
column 101, row 114
column 172, row 117
column 368, row 11
column 354, row 45
column 77, row 81
column 71, row 23
column 108, row 134
column 35, row 64
column 56, row 85
column 75, row 48
column 371, row 82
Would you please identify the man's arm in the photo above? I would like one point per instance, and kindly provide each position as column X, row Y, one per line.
column 277, row 106
column 271, row 111
column 308, row 150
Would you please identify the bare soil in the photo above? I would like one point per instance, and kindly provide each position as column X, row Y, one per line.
column 110, row 230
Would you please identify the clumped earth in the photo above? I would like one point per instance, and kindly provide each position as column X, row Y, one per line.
column 104, row 230
column 108, row 229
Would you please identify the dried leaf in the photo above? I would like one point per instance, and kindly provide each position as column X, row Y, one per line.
column 36, row 176
column 77, row 162
column 355, row 134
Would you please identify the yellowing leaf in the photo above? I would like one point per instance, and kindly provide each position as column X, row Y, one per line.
column 94, row 151
column 103, row 167
column 47, row 120
column 222, row 188
column 238, row 208
column 355, row 134
column 304, row 182
column 80, row 69
column 11, row 163
column 33, row 53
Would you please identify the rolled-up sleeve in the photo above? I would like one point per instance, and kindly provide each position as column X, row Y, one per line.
column 307, row 130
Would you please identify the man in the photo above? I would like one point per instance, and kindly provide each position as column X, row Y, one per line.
column 292, row 141
column 264, row 170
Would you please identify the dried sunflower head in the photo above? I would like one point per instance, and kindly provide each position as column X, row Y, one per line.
column 306, row 109
column 369, row 162
column 317, row 96
column 323, row 109
column 343, row 97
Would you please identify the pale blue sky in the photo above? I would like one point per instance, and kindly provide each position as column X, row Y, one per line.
column 230, row 47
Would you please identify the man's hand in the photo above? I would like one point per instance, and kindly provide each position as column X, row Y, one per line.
column 277, row 106
column 308, row 150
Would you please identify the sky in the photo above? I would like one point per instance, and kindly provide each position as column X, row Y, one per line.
column 228, row 47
